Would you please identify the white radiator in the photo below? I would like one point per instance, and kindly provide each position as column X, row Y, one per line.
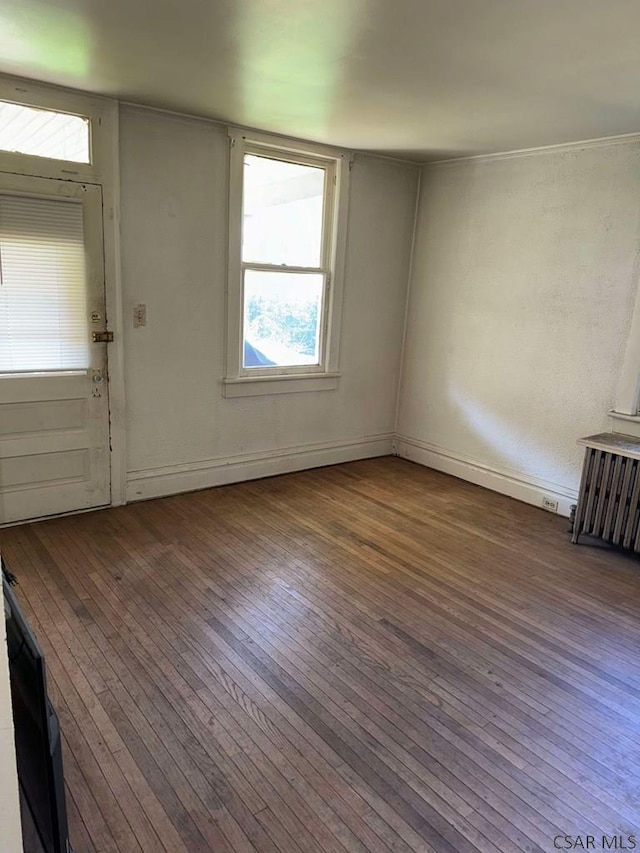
column 609, row 500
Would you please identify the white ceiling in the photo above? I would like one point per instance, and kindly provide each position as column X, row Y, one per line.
column 419, row 78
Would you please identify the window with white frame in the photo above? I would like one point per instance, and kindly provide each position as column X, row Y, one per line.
column 43, row 313
column 50, row 133
column 285, row 207
column 44, row 133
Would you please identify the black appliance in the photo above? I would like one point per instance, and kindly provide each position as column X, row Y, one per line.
column 37, row 734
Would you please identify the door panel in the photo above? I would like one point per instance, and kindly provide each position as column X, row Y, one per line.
column 54, row 426
column 69, row 466
column 26, row 418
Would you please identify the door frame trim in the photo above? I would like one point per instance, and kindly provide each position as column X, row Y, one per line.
column 113, row 301
column 104, row 171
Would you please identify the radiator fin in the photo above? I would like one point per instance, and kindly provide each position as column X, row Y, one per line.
column 609, row 500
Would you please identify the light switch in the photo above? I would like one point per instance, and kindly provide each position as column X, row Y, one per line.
column 139, row 316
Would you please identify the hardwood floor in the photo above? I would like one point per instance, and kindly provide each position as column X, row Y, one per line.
column 367, row 657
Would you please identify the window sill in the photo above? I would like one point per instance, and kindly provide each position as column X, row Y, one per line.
column 622, row 417
column 257, row 386
column 625, row 424
column 43, row 374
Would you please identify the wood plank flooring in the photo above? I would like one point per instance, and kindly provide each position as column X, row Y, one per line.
column 367, row 657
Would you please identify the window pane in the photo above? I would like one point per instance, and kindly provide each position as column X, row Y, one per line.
column 44, row 133
column 43, row 314
column 282, row 212
column 281, row 318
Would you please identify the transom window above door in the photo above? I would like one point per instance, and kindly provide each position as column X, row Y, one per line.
column 44, row 133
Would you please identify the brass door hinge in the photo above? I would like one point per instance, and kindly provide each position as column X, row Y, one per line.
column 102, row 337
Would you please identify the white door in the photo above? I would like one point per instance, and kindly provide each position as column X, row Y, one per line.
column 54, row 407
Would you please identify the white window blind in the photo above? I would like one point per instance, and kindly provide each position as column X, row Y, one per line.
column 43, row 322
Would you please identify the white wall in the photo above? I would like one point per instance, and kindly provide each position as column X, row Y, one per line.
column 523, row 285
column 181, row 432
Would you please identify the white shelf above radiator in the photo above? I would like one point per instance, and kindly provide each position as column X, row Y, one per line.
column 614, row 442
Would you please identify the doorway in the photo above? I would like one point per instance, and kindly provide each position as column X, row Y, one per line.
column 54, row 400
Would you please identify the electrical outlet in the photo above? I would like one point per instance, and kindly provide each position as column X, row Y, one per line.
column 139, row 316
column 550, row 504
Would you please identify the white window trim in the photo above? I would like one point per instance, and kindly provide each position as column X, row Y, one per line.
column 244, row 382
column 627, row 400
column 98, row 110
column 104, row 170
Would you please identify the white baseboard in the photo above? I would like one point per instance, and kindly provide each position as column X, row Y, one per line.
column 158, row 482
column 170, row 480
column 530, row 490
